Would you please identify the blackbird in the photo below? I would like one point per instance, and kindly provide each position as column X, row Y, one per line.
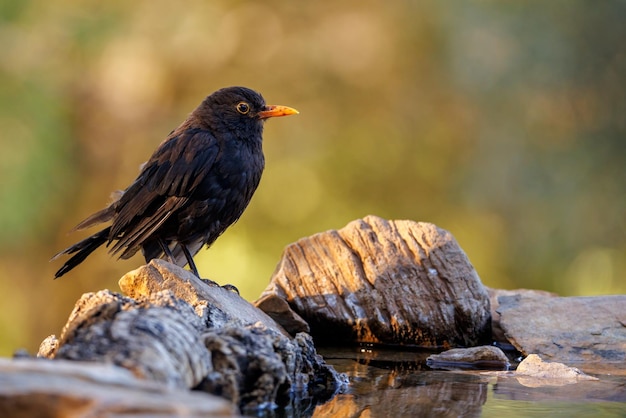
column 197, row 183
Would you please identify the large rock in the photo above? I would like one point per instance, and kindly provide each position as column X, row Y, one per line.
column 386, row 282
column 589, row 332
column 187, row 333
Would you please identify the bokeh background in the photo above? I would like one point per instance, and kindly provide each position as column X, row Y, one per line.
column 502, row 122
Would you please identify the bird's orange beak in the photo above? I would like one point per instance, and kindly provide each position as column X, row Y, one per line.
column 272, row 111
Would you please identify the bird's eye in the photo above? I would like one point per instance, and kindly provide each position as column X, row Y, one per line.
column 243, row 108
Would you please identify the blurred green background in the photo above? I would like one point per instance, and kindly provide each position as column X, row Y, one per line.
column 502, row 122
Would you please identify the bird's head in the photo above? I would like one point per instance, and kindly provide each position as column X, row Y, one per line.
column 238, row 110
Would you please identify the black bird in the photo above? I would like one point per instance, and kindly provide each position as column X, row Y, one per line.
column 197, row 183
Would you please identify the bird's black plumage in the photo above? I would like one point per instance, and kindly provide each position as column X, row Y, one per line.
column 197, row 183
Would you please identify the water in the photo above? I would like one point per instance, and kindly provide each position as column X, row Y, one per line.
column 399, row 384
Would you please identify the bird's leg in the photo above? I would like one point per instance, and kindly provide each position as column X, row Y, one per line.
column 167, row 251
column 194, row 270
column 192, row 264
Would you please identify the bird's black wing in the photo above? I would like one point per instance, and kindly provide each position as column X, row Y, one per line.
column 164, row 186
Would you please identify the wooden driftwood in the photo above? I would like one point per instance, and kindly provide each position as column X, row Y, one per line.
column 44, row 388
column 386, row 282
column 187, row 333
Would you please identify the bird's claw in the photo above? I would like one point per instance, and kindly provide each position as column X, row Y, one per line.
column 231, row 288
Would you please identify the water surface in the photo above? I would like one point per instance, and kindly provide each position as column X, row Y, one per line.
column 387, row 383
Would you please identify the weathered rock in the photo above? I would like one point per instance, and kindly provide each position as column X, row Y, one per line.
column 387, row 282
column 494, row 294
column 485, row 357
column 194, row 335
column 44, row 388
column 587, row 331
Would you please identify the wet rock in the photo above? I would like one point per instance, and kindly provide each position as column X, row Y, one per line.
column 534, row 372
column 485, row 357
column 186, row 333
column 38, row 388
column 385, row 282
column 587, row 331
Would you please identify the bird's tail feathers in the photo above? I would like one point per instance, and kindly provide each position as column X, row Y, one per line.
column 99, row 217
column 81, row 250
